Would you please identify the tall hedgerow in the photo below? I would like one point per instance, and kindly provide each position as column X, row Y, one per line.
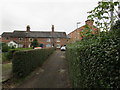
column 24, row 62
column 94, row 62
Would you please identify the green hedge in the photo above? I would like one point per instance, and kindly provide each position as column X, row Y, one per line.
column 95, row 62
column 24, row 62
column 5, row 47
column 11, row 52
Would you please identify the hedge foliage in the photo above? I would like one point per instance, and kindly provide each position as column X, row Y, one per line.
column 24, row 62
column 95, row 63
column 12, row 51
column 5, row 47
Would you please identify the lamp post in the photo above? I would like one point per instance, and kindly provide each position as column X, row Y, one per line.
column 77, row 36
column 53, row 35
column 78, row 23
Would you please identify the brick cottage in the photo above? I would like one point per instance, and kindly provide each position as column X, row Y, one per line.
column 47, row 39
column 77, row 34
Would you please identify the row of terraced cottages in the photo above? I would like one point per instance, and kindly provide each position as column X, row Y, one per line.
column 23, row 38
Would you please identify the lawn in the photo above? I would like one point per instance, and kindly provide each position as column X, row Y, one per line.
column 6, row 71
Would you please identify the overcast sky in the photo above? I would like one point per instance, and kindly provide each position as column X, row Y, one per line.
column 42, row 14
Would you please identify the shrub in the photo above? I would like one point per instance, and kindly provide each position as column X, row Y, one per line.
column 12, row 51
column 5, row 47
column 95, row 63
column 10, row 54
column 24, row 62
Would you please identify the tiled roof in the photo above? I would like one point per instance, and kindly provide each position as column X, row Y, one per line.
column 19, row 34
column 7, row 34
column 35, row 34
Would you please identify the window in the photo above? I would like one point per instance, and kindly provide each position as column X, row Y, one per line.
column 58, row 40
column 11, row 44
column 30, row 39
column 48, row 45
column 20, row 39
column 6, row 38
column 58, row 46
column 29, row 45
column 48, row 40
column 15, row 46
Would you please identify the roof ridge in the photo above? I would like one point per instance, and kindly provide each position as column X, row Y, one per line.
column 18, row 31
column 7, row 32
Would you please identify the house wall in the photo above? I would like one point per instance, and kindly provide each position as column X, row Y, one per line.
column 11, row 43
column 75, row 35
column 49, row 41
column 26, row 42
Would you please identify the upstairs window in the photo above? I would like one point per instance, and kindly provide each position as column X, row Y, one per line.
column 20, row 39
column 30, row 39
column 7, row 38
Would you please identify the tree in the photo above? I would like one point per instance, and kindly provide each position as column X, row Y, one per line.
column 104, row 14
column 34, row 43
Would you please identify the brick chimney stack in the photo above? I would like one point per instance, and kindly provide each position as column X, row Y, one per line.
column 52, row 28
column 89, row 22
column 28, row 28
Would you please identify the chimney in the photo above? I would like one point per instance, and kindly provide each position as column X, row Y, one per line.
column 89, row 22
column 28, row 28
column 52, row 28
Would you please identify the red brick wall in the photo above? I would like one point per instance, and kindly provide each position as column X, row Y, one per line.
column 75, row 35
column 26, row 41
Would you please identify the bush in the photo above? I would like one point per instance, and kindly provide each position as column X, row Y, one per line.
column 24, row 62
column 5, row 47
column 95, row 62
column 12, row 51
column 10, row 54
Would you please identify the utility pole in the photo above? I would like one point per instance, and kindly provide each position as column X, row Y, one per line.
column 78, row 23
column 53, row 44
column 77, row 36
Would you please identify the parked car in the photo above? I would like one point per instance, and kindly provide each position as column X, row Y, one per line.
column 38, row 48
column 63, row 48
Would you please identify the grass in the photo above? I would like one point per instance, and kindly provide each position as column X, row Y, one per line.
column 21, row 49
column 6, row 71
column 4, row 57
column 0, row 58
column 6, row 67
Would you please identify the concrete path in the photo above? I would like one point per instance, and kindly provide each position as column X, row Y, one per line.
column 53, row 73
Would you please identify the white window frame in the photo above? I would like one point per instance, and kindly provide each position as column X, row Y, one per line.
column 48, row 45
column 20, row 39
column 31, row 39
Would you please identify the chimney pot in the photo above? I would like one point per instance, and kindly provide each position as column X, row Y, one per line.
column 28, row 28
column 89, row 22
column 52, row 28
